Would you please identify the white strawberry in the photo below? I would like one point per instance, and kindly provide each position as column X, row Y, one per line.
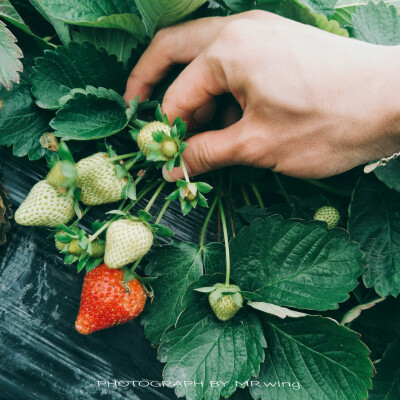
column 145, row 136
column 126, row 242
column 45, row 206
column 96, row 178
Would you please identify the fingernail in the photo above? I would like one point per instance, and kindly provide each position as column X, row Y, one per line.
column 166, row 175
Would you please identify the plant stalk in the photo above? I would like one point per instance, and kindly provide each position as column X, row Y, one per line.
column 226, row 241
column 206, row 222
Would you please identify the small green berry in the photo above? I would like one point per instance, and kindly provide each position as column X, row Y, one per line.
column 169, row 148
column 328, row 214
column 55, row 177
column 225, row 306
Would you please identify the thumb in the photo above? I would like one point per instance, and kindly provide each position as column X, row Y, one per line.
column 209, row 150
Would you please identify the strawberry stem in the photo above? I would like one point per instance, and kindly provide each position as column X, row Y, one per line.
column 328, row 188
column 130, row 163
column 257, row 194
column 117, row 158
column 284, row 193
column 226, row 240
column 206, row 222
column 155, row 195
column 137, row 262
column 245, row 195
column 183, row 166
column 162, row 211
column 126, row 209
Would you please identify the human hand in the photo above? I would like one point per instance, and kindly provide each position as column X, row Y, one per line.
column 314, row 104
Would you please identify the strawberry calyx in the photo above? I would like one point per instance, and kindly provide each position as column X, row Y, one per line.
column 190, row 194
column 225, row 300
column 63, row 174
column 159, row 141
column 75, row 244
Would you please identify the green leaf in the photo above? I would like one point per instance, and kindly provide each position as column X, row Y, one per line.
column 294, row 263
column 239, row 5
column 251, row 213
column 75, row 66
column 374, row 223
column 10, row 54
column 114, row 41
column 204, row 349
column 377, row 23
column 345, row 8
column 162, row 231
column 22, row 123
column 316, row 357
column 176, row 266
column 10, row 14
column 116, row 14
column 387, row 380
column 297, row 11
column 61, row 28
column 89, row 117
column 144, row 215
column 214, row 258
column 158, row 14
column 325, row 7
column 390, row 174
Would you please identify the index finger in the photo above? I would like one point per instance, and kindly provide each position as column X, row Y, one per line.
column 178, row 44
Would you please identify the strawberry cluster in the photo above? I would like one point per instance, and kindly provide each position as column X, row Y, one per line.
column 123, row 239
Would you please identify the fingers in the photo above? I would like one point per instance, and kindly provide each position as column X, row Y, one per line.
column 179, row 44
column 210, row 150
column 194, row 89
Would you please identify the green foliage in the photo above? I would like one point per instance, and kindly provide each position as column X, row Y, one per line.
column 161, row 13
column 200, row 347
column 295, row 264
column 377, row 23
column 374, row 223
column 10, row 58
column 75, row 66
column 176, row 267
column 117, row 14
column 387, row 380
column 114, row 41
column 77, row 77
column 103, row 116
column 390, row 174
column 22, row 123
column 333, row 367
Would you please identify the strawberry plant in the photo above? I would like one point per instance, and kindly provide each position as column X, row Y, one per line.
column 281, row 276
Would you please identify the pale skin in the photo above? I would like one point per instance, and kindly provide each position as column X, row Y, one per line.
column 313, row 104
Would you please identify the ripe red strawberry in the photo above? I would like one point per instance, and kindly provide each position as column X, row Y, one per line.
column 107, row 300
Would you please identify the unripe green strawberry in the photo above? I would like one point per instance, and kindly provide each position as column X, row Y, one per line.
column 225, row 306
column 74, row 248
column 126, row 242
column 169, row 148
column 328, row 214
column 45, row 206
column 145, row 136
column 55, row 176
column 59, row 245
column 96, row 178
column 97, row 249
